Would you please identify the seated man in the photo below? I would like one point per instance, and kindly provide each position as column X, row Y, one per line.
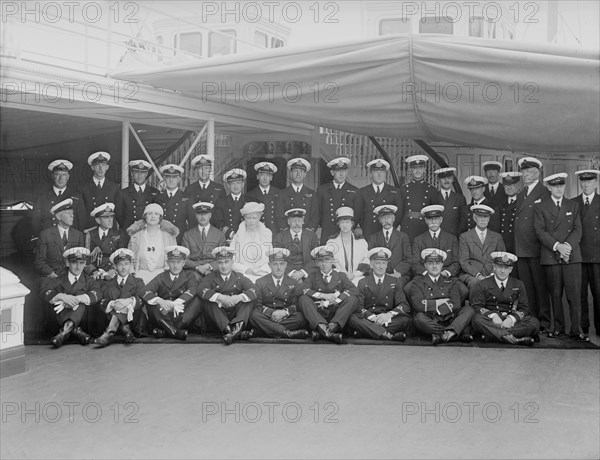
column 227, row 297
column 396, row 241
column 102, row 241
column 54, row 240
column 385, row 313
column 201, row 240
column 436, row 301
column 276, row 313
column 122, row 299
column 500, row 304
column 300, row 242
column 70, row 294
column 328, row 297
column 476, row 245
column 171, row 297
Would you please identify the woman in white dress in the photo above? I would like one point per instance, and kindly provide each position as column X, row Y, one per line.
column 149, row 238
column 251, row 242
column 350, row 252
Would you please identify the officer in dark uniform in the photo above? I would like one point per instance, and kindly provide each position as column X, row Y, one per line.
column 296, row 195
column 132, row 201
column 204, row 190
column 477, row 186
column 375, row 194
column 527, row 246
column 455, row 204
column 173, row 200
column 384, row 311
column 511, row 181
column 122, row 300
column 60, row 191
column 227, row 216
column 330, row 197
column 170, row 297
column 500, row 305
column 276, row 313
column 557, row 223
column 494, row 191
column 70, row 294
column 102, row 241
column 227, row 297
column 589, row 205
column 435, row 299
column 268, row 195
column 328, row 298
column 416, row 195
column 100, row 189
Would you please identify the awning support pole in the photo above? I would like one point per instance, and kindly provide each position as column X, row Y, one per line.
column 137, row 138
column 124, row 155
column 210, row 143
column 193, row 146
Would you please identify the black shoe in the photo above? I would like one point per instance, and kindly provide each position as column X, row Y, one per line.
column 299, row 334
column 83, row 337
column 104, row 340
column 158, row 333
column 466, row 338
column 180, row 334
column 246, row 335
column 397, row 337
column 63, row 335
column 127, row 333
column 537, row 338
column 436, row 339
column 526, row 341
column 324, row 331
column 234, row 333
column 581, row 337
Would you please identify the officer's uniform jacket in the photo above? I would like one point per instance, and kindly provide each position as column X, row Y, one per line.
column 271, row 215
column 487, row 298
column 327, row 200
column 289, row 199
column 175, row 210
column 374, row 299
column 590, row 226
column 212, row 194
column 113, row 240
column 93, row 196
column 49, row 250
column 43, row 218
column 270, row 298
column 184, row 287
column 200, row 254
column 417, row 195
column 508, row 213
column 227, row 215
column 423, row 293
column 237, row 283
column 553, row 225
column 130, row 204
column 499, row 197
column 367, row 200
column 299, row 258
column 455, row 212
column 339, row 282
column 51, row 287
column 526, row 240
column 401, row 248
column 475, row 258
column 446, row 242
column 133, row 287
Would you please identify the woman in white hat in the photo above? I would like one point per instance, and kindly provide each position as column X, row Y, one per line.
column 149, row 238
column 349, row 251
column 251, row 242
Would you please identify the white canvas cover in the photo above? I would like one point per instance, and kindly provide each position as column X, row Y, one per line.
column 496, row 94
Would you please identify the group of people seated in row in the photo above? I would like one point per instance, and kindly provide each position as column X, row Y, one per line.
column 387, row 278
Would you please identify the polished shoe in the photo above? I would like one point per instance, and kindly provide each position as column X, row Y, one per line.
column 63, row 335
column 158, row 333
column 180, row 334
column 104, row 340
column 127, row 333
column 536, row 338
column 436, row 339
column 83, row 337
column 397, row 337
column 555, row 335
column 466, row 338
column 526, row 341
column 172, row 331
column 581, row 337
column 299, row 334
column 247, row 334
column 509, row 338
column 324, row 331
column 234, row 333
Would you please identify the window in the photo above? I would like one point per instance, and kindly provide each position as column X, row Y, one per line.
column 190, row 42
column 276, row 43
column 475, row 26
column 394, row 26
column 436, row 25
column 221, row 45
column 261, row 39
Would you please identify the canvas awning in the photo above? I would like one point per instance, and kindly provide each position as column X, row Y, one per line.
column 496, row 94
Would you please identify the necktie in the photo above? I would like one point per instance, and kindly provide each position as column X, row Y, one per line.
column 235, row 199
column 204, row 187
column 175, row 279
column 278, row 284
column 435, row 238
column 387, row 236
column 378, row 190
column 103, row 236
column 74, row 281
column 587, row 200
column 170, row 195
column 558, row 204
column 502, row 286
column 203, row 235
column 326, row 279
column 60, row 192
column 492, row 191
column 264, row 192
column 122, row 283
column 447, row 194
column 226, row 279
column 296, row 239
column 65, row 239
column 482, row 237
column 379, row 282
